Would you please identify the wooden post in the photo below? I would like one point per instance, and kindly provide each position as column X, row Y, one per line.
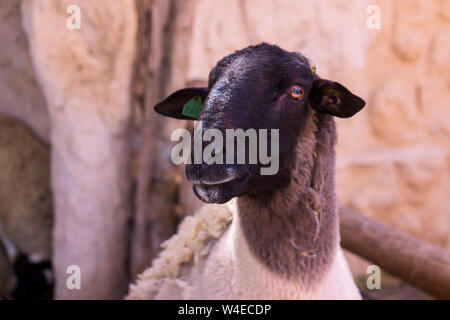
column 422, row 264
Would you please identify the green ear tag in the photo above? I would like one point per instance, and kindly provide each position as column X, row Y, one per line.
column 193, row 107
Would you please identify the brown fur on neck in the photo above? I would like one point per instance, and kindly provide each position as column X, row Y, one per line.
column 295, row 233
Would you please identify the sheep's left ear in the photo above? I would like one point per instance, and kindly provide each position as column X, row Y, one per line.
column 335, row 99
column 184, row 104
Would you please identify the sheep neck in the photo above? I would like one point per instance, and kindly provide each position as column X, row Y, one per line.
column 294, row 231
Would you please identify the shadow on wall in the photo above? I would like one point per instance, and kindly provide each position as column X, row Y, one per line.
column 26, row 213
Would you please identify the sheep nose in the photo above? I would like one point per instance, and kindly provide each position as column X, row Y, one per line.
column 215, row 153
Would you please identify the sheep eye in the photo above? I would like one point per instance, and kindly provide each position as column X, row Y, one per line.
column 297, row 92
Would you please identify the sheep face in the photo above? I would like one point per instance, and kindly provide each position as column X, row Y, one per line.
column 260, row 87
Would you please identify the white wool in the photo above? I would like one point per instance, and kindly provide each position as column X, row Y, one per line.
column 209, row 259
column 194, row 234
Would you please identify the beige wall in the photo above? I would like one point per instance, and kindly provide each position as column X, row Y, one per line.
column 86, row 75
column 394, row 157
column 20, row 94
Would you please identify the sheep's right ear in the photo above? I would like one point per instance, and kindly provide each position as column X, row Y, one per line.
column 183, row 104
column 335, row 99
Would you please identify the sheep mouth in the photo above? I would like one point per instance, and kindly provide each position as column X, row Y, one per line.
column 208, row 181
column 225, row 182
column 220, row 190
column 213, row 174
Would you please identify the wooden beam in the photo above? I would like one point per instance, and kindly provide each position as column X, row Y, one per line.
column 419, row 263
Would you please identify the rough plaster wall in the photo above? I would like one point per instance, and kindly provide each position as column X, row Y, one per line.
column 85, row 75
column 394, row 157
column 20, row 94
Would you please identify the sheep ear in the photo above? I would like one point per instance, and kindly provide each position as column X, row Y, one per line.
column 183, row 104
column 335, row 99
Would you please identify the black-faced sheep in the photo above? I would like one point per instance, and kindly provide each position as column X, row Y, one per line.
column 279, row 237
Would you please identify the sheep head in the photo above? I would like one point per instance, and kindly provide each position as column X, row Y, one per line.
column 259, row 87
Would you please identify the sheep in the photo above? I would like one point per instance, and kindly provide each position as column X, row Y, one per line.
column 260, row 236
